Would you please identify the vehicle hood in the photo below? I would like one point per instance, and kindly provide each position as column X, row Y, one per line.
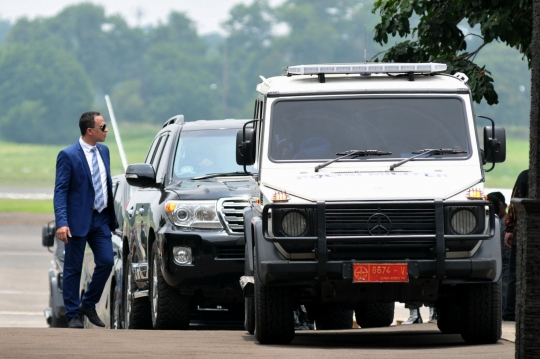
column 214, row 188
column 417, row 184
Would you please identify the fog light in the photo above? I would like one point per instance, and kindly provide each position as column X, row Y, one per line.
column 182, row 255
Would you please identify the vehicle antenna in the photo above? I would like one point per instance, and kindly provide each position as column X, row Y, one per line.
column 365, row 45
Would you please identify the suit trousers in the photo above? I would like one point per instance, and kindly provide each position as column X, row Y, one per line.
column 99, row 240
column 509, row 313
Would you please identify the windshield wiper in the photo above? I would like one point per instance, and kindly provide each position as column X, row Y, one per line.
column 353, row 154
column 427, row 152
column 225, row 174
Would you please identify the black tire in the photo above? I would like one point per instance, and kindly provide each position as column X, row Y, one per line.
column 249, row 303
column 169, row 308
column 449, row 316
column 249, row 318
column 482, row 314
column 374, row 314
column 58, row 322
column 333, row 318
column 116, row 313
column 274, row 317
column 136, row 311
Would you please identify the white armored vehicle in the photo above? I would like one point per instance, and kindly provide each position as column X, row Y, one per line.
column 371, row 184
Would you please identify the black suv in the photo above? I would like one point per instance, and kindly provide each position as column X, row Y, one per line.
column 186, row 228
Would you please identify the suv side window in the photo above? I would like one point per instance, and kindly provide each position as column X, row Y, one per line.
column 151, row 153
column 160, row 160
column 155, row 161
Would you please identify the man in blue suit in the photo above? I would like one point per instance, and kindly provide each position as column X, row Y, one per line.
column 84, row 212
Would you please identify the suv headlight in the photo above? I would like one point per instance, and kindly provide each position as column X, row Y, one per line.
column 464, row 220
column 193, row 214
column 292, row 222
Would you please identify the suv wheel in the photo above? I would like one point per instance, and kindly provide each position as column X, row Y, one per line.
column 449, row 316
column 482, row 314
column 249, row 303
column 331, row 317
column 374, row 314
column 170, row 309
column 116, row 320
column 136, row 311
column 274, row 316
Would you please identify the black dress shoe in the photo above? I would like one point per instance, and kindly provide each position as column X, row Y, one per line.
column 92, row 316
column 75, row 323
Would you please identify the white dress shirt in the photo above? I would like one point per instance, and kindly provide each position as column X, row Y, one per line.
column 102, row 171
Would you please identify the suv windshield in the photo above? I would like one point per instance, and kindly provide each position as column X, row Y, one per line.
column 206, row 151
column 319, row 129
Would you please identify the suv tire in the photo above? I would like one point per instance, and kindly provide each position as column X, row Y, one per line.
column 169, row 308
column 274, row 317
column 449, row 316
column 330, row 317
column 136, row 311
column 374, row 314
column 482, row 314
column 249, row 303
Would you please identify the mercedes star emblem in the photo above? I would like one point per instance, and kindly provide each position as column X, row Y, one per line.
column 379, row 225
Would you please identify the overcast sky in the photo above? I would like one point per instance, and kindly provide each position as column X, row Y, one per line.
column 208, row 14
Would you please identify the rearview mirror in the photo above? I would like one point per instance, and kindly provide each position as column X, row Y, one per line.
column 495, row 144
column 245, row 147
column 47, row 234
column 141, row 175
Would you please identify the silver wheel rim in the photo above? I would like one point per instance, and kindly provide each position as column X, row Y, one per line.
column 129, row 298
column 155, row 294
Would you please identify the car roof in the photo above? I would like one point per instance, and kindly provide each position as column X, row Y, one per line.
column 354, row 83
column 213, row 124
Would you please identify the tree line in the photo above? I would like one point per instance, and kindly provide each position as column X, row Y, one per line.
column 52, row 69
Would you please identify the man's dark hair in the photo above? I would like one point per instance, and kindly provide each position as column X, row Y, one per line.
column 499, row 196
column 491, row 197
column 87, row 120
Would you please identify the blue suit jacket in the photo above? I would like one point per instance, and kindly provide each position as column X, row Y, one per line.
column 74, row 192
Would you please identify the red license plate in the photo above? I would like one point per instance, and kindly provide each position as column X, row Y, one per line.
column 380, row 272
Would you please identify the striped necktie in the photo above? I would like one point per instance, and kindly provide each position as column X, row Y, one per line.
column 99, row 202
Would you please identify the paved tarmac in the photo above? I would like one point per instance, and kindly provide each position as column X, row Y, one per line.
column 24, row 334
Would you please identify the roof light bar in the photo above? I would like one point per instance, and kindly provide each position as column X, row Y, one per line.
column 363, row 68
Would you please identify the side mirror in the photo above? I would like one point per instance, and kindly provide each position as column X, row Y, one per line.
column 47, row 234
column 495, row 144
column 245, row 147
column 141, row 175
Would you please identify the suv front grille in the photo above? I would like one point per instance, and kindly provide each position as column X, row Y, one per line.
column 375, row 219
column 231, row 211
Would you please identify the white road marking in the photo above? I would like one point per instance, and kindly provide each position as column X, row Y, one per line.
column 13, row 253
column 20, row 292
column 21, row 313
column 5, row 195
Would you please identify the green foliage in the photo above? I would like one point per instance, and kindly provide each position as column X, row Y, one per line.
column 43, row 91
column 439, row 35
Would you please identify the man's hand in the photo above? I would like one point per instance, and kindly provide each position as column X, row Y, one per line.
column 509, row 239
column 63, row 233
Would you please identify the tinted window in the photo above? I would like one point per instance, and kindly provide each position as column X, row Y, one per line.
column 308, row 130
column 206, row 151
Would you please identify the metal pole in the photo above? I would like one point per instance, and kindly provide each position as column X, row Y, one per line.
column 116, row 132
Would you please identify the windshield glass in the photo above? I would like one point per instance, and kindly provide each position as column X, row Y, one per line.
column 318, row 129
column 206, row 151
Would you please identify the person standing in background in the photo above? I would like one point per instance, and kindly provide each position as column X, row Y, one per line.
column 505, row 251
column 521, row 190
column 84, row 213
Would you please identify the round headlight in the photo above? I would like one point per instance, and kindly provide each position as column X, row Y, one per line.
column 294, row 224
column 463, row 221
column 182, row 214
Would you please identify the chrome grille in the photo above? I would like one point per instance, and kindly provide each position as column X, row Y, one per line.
column 368, row 219
column 231, row 211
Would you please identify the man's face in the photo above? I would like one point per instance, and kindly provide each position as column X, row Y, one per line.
column 99, row 132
